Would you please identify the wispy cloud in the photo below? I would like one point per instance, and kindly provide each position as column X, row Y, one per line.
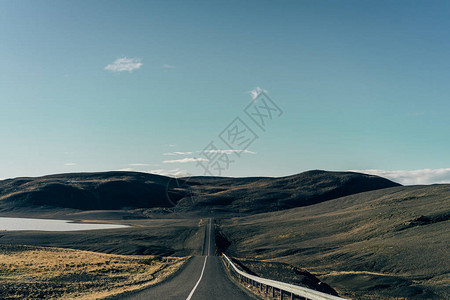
column 412, row 177
column 127, row 170
column 184, row 160
column 229, row 151
column 256, row 91
column 178, row 153
column 171, row 173
column 226, row 151
column 70, row 164
column 124, row 64
column 141, row 165
column 168, row 67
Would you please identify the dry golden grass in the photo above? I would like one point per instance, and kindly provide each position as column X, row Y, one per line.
column 28, row 272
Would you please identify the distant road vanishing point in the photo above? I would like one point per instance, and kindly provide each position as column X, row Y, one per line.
column 203, row 278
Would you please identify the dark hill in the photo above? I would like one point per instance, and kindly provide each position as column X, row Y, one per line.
column 88, row 191
column 259, row 194
column 119, row 190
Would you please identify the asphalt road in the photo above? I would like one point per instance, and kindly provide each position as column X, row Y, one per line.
column 203, row 278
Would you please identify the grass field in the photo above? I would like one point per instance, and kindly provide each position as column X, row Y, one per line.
column 28, row 272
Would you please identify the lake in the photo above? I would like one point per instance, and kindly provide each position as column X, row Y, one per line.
column 16, row 224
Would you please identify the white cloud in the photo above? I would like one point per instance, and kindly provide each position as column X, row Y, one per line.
column 226, row 151
column 184, row 160
column 127, row 170
column 124, row 64
column 141, row 165
column 178, row 153
column 171, row 173
column 256, row 91
column 230, row 151
column 70, row 164
column 412, row 177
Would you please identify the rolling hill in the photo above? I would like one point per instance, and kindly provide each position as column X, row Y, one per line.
column 122, row 190
column 256, row 195
column 87, row 191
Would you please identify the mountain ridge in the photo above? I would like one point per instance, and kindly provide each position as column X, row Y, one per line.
column 117, row 190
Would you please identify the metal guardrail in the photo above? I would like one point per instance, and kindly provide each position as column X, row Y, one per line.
column 283, row 287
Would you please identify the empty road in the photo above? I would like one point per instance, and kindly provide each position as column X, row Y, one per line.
column 203, row 278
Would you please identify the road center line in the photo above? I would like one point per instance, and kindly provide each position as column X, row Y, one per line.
column 208, row 249
column 200, row 279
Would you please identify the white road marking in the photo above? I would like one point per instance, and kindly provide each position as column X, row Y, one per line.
column 198, row 282
column 208, row 232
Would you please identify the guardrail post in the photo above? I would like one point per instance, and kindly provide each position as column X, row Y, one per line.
column 281, row 294
column 273, row 292
column 292, row 296
column 266, row 289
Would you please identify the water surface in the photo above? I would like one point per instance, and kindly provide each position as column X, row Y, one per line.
column 16, row 224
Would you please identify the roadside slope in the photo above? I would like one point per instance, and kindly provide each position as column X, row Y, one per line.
column 379, row 244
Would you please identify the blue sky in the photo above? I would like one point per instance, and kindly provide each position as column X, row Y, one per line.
column 147, row 85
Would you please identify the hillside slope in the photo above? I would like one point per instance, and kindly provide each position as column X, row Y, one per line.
column 374, row 245
column 88, row 191
column 122, row 190
column 253, row 195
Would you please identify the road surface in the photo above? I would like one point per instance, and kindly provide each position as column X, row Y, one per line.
column 203, row 278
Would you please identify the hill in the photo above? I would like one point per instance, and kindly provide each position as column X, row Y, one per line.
column 87, row 191
column 384, row 244
column 121, row 190
column 255, row 195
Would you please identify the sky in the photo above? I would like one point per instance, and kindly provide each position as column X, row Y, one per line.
column 229, row 88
